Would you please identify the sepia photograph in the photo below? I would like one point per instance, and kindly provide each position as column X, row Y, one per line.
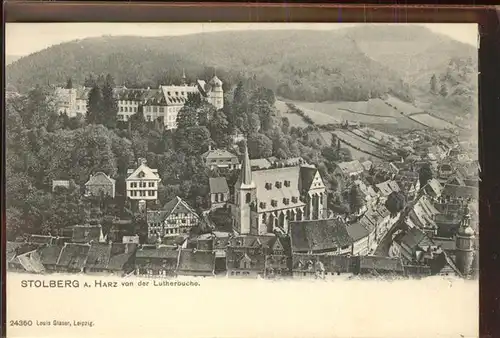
column 280, row 156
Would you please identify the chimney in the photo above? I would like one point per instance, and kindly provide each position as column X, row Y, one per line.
column 209, row 147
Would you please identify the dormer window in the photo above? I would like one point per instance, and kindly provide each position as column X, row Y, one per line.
column 262, row 205
column 278, row 184
column 287, row 183
column 274, row 203
column 269, row 186
column 141, row 174
column 286, row 201
column 295, row 199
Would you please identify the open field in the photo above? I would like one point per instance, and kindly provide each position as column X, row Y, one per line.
column 363, row 145
column 432, row 122
column 403, row 107
column 356, row 154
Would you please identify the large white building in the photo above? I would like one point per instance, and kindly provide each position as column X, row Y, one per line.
column 142, row 183
column 163, row 102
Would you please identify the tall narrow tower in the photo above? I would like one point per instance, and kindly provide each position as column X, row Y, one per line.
column 245, row 198
column 183, row 80
column 216, row 95
column 465, row 245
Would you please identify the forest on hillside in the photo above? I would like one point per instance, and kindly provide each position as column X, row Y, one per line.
column 299, row 65
column 42, row 146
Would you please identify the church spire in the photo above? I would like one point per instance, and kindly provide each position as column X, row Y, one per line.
column 246, row 171
column 183, row 77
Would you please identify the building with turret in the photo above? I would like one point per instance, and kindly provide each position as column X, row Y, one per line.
column 465, row 245
column 267, row 200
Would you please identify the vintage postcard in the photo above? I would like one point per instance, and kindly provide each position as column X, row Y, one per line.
column 242, row 180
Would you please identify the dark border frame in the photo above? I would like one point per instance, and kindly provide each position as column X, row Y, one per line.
column 487, row 18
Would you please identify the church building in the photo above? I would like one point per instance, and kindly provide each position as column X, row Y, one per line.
column 266, row 200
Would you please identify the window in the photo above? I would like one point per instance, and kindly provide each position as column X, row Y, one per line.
column 183, row 221
column 133, row 184
column 287, row 183
column 155, row 109
column 286, row 201
column 126, row 110
column 149, row 118
column 269, row 186
column 278, row 185
column 274, row 203
column 248, row 198
column 143, row 193
column 262, row 205
column 161, row 109
column 295, row 199
column 151, row 193
column 121, row 108
column 151, row 184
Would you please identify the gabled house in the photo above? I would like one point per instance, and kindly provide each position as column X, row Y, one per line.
column 245, row 264
column 142, row 182
column 277, row 266
column 49, row 255
column 196, row 263
column 219, row 191
column 348, row 170
column 174, row 219
column 100, row 184
column 73, row 257
column 221, row 159
column 378, row 265
column 85, row 233
column 433, row 189
column 152, row 260
column 329, row 236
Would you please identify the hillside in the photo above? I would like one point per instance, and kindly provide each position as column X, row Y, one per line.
column 301, row 65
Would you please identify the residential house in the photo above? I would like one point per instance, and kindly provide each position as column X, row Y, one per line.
column 370, row 196
column 359, row 237
column 423, row 215
column 23, row 257
column 60, row 184
column 408, row 182
column 267, row 200
column 174, row 219
column 245, row 264
column 367, row 165
column 260, row 164
column 252, row 244
column 459, row 192
column 414, row 246
column 328, row 236
column 152, row 260
column 276, row 266
column 100, row 184
column 445, row 170
column 49, row 255
column 121, row 258
column 221, row 159
column 219, row 191
column 142, row 182
column 307, row 266
column 194, row 262
column 84, row 233
column 433, row 189
column 73, row 257
column 129, row 101
column 377, row 265
column 436, row 152
column 348, row 170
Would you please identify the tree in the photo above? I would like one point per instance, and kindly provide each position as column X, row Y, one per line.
column 433, row 84
column 109, row 104
column 94, row 106
column 425, row 174
column 444, row 89
column 219, row 129
column 356, row 198
column 395, row 202
column 259, row 146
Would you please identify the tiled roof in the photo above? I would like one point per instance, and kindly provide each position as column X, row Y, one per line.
column 149, row 174
column 218, row 185
column 120, row 255
column 220, row 154
column 460, row 191
column 387, row 187
column 435, row 186
column 100, row 178
column 299, row 179
column 382, row 211
column 351, row 167
column 412, row 238
column 177, row 95
column 74, row 256
column 163, row 252
column 41, row 239
column 256, row 261
column 131, row 94
column 318, row 235
column 367, row 165
column 50, row 254
column 98, row 256
column 381, row 264
column 357, row 231
column 196, row 261
column 86, row 233
column 260, row 163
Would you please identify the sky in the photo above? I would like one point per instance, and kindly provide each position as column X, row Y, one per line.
column 26, row 38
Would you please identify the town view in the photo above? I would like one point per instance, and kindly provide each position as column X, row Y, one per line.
column 301, row 154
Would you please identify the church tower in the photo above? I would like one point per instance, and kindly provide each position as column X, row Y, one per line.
column 465, row 245
column 245, row 198
column 216, row 93
column 183, row 80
